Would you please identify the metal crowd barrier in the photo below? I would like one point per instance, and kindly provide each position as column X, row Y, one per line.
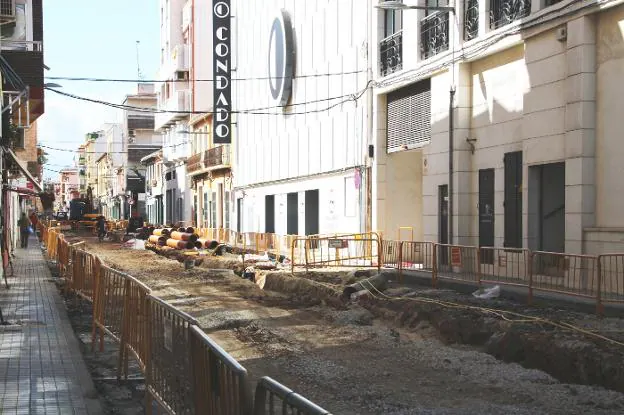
column 269, row 391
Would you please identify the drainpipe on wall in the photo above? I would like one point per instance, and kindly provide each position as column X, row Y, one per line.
column 367, row 223
column 451, row 167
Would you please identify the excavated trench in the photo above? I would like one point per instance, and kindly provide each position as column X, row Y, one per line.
column 567, row 355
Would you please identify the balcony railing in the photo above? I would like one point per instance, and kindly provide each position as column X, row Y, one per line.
column 194, row 163
column 391, row 49
column 471, row 19
column 503, row 12
column 434, row 34
column 22, row 45
column 217, row 157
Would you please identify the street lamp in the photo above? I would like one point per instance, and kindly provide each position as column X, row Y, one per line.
column 399, row 5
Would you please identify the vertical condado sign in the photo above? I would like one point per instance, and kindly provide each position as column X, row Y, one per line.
column 222, row 70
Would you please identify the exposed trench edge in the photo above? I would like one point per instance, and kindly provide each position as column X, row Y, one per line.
column 568, row 357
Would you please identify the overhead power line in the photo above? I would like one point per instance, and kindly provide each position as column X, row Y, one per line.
column 152, row 81
column 256, row 111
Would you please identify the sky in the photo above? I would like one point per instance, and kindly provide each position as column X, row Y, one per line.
column 94, row 39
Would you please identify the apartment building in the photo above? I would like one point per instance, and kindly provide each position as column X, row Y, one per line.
column 138, row 140
column 524, row 151
column 301, row 113
column 69, row 181
column 174, row 102
column 21, row 76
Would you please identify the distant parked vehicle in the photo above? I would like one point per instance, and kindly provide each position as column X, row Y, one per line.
column 61, row 216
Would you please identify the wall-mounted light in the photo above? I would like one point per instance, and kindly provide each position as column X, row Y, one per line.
column 471, row 142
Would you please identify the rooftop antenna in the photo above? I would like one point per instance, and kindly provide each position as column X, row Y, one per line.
column 139, row 74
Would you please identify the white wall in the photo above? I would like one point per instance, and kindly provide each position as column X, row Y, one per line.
column 339, row 204
column 330, row 37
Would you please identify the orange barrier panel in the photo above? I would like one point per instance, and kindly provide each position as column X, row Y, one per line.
column 336, row 252
column 574, row 275
column 221, row 384
column 109, row 304
column 134, row 334
column 505, row 266
column 169, row 371
column 457, row 262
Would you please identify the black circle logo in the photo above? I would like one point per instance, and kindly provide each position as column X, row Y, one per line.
column 281, row 58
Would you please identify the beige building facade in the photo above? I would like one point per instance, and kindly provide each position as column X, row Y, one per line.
column 535, row 125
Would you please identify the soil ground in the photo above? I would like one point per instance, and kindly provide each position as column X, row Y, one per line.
column 380, row 356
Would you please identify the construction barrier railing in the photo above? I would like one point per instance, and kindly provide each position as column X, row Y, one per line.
column 597, row 277
column 169, row 370
column 340, row 251
column 273, row 398
column 186, row 371
column 221, row 384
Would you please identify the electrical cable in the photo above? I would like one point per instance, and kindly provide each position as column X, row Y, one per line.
column 501, row 313
column 346, row 98
column 152, row 81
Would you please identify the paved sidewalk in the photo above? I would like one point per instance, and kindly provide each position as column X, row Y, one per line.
column 41, row 368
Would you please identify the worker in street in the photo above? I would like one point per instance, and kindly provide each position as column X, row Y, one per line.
column 24, row 227
column 101, row 227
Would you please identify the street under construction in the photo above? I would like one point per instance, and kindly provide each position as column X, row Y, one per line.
column 352, row 339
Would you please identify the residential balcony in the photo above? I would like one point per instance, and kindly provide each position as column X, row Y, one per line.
column 7, row 11
column 503, row 12
column 391, row 53
column 434, row 34
column 216, row 158
column 181, row 58
column 179, row 103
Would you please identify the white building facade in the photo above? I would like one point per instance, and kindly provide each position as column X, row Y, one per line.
column 301, row 125
column 534, row 126
column 174, row 97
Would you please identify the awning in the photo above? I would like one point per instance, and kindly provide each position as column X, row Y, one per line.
column 21, row 190
column 24, row 170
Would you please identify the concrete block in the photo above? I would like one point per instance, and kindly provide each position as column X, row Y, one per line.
column 580, row 199
column 544, row 123
column 545, row 97
column 581, row 87
column 581, row 59
column 544, row 149
column 547, row 70
column 580, row 143
column 580, row 115
column 580, row 171
column 543, row 46
column 581, row 31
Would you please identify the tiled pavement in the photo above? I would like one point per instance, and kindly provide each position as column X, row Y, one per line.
column 41, row 368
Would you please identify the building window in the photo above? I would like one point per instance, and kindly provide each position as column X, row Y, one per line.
column 503, row 12
column 226, row 210
column 205, row 210
column 471, row 19
column 213, row 210
column 391, row 47
column 409, row 117
column 434, row 31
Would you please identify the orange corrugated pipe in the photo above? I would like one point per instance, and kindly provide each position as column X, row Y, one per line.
column 157, row 240
column 174, row 243
column 182, row 236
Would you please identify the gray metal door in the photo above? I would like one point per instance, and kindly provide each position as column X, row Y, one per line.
column 486, row 214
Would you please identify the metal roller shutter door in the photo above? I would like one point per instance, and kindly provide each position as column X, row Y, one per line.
column 409, row 117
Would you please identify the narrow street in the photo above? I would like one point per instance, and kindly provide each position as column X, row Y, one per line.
column 346, row 360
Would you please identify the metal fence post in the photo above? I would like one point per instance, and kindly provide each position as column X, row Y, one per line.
column 434, row 268
column 530, row 271
column 599, row 308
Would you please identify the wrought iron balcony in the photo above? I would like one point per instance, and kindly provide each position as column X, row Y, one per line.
column 503, row 12
column 471, row 19
column 391, row 54
column 217, row 157
column 434, row 34
column 194, row 163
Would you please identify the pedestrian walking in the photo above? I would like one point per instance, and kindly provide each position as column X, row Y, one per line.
column 101, row 227
column 24, row 227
